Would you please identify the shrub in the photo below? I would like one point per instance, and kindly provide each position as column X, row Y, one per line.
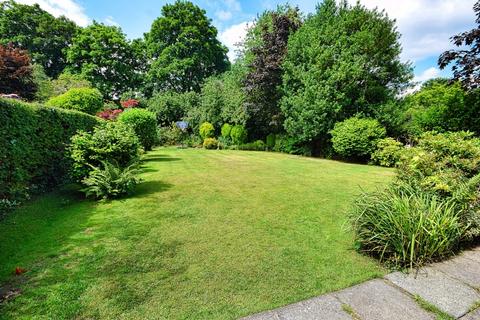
column 238, row 134
column 210, row 143
column 207, row 130
column 172, row 106
column 356, row 137
column 110, row 141
column 388, row 152
column 110, row 181
column 143, row 123
column 405, row 227
column 258, row 145
column 109, row 114
column 271, row 141
column 171, row 136
column 81, row 99
column 226, row 129
column 32, row 144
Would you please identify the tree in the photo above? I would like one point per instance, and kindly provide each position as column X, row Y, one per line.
column 183, row 48
column 265, row 70
column 343, row 61
column 33, row 29
column 16, row 72
column 103, row 56
column 466, row 66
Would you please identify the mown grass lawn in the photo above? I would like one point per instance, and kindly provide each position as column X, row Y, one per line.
column 208, row 235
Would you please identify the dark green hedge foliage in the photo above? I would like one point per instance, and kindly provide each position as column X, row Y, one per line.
column 32, row 146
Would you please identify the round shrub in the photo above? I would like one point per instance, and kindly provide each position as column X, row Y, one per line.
column 207, row 130
column 270, row 141
column 114, row 142
column 226, row 129
column 210, row 143
column 238, row 134
column 388, row 152
column 144, row 123
column 86, row 100
column 356, row 137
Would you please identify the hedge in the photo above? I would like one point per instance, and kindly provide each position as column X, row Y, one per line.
column 32, row 147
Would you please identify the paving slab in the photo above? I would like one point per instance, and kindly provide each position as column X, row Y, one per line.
column 472, row 255
column 268, row 315
column 474, row 315
column 377, row 300
column 463, row 269
column 449, row 295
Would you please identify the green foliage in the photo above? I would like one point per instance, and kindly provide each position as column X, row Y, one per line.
column 404, row 227
column 143, row 123
column 172, row 135
column 110, row 181
column 388, row 153
column 238, row 134
column 172, row 106
column 356, row 137
column 271, row 141
column 33, row 29
column 184, row 49
column 226, row 129
column 210, row 143
column 343, row 61
column 104, row 56
column 258, row 145
column 67, row 81
column 81, row 99
column 32, row 140
column 207, row 130
column 110, row 141
column 42, row 83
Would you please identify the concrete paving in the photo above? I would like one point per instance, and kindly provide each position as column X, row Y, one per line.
column 452, row 287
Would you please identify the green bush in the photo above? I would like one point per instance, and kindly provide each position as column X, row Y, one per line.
column 404, row 227
column 171, row 136
column 207, row 130
column 258, row 145
column 110, row 141
column 110, row 181
column 357, row 138
column 388, row 153
column 32, row 144
column 238, row 134
column 210, row 143
column 81, row 99
column 172, row 106
column 271, row 141
column 226, row 129
column 143, row 123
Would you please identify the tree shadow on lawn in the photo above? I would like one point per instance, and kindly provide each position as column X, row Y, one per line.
column 147, row 188
column 159, row 158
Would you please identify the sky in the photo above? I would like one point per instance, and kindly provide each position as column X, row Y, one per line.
column 425, row 25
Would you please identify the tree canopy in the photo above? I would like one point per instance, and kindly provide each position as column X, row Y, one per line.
column 184, row 50
column 16, row 72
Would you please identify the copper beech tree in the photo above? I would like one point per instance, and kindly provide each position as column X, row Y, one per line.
column 16, row 72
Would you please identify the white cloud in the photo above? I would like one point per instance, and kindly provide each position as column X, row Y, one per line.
column 428, row 74
column 233, row 36
column 427, row 25
column 223, row 15
column 110, row 21
column 68, row 8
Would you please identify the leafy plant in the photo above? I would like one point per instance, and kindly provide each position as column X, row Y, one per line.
column 207, row 130
column 238, row 134
column 210, row 143
column 110, row 181
column 388, row 153
column 171, row 135
column 258, row 145
column 271, row 141
column 81, row 99
column 143, row 123
column 357, row 137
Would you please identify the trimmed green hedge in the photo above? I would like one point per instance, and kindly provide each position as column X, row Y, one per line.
column 32, row 147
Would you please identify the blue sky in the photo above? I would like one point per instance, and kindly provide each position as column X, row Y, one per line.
column 426, row 25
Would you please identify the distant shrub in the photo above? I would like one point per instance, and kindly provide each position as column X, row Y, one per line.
column 404, row 227
column 210, row 143
column 110, row 181
column 226, row 129
column 356, row 137
column 238, row 134
column 130, row 103
column 32, row 143
column 388, row 152
column 172, row 106
column 207, row 130
column 81, row 99
column 109, row 114
column 258, row 145
column 271, row 141
column 286, row 144
column 143, row 123
column 172, row 135
column 110, row 141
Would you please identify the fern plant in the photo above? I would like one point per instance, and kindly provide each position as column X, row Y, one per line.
column 110, row 181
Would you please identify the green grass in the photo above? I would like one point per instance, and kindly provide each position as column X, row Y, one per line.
column 439, row 314
column 208, row 235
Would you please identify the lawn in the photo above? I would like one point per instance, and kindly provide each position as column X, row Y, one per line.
column 208, row 235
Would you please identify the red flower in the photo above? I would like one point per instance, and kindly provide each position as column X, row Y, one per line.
column 19, row 271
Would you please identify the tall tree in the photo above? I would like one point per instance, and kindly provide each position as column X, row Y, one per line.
column 265, row 69
column 466, row 66
column 35, row 30
column 16, row 72
column 343, row 61
column 183, row 49
column 103, row 56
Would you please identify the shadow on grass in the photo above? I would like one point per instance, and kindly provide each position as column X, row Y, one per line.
column 150, row 187
column 160, row 158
